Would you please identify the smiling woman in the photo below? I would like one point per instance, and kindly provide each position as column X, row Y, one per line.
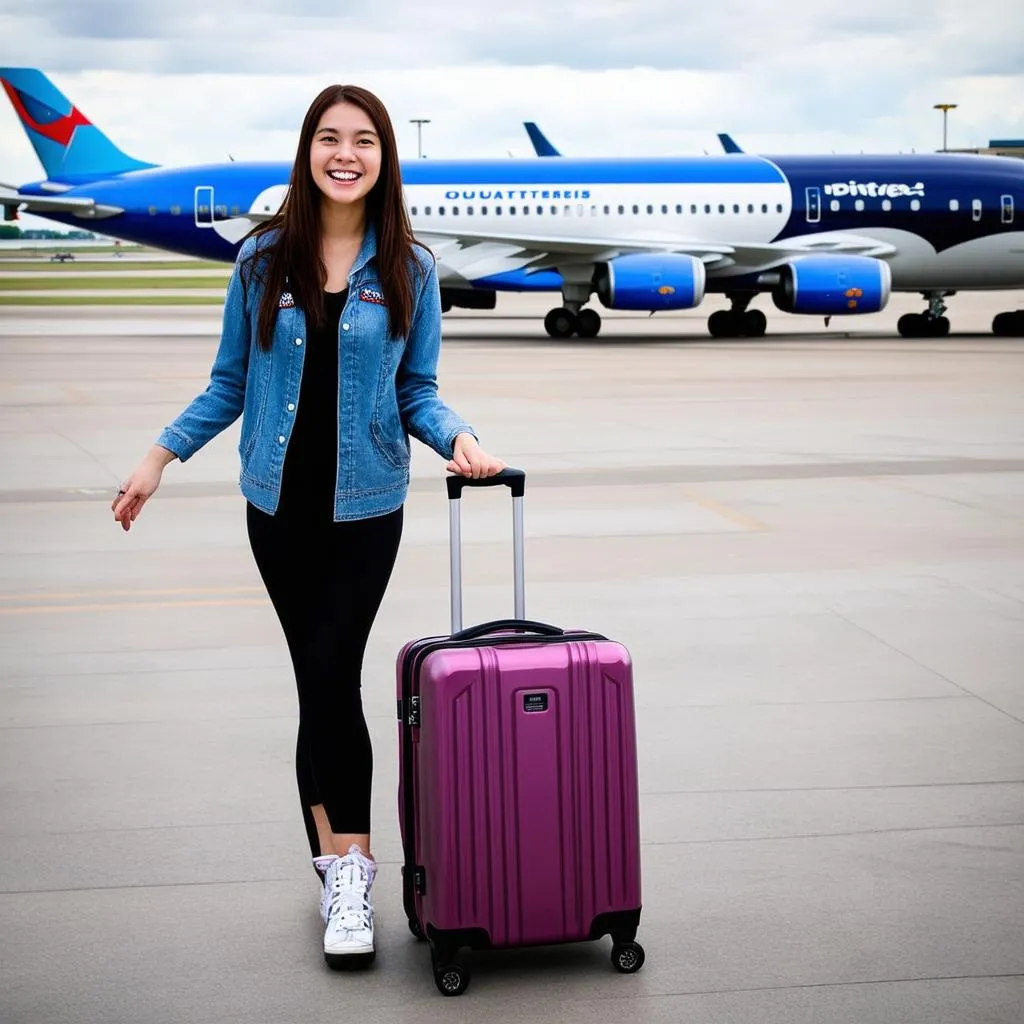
column 329, row 350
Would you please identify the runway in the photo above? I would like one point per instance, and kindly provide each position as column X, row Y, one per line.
column 811, row 543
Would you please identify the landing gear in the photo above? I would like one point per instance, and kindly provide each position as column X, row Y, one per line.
column 738, row 322
column 1009, row 325
column 564, row 322
column 929, row 324
column 571, row 318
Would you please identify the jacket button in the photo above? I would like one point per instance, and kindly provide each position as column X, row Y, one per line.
column 344, row 327
column 291, row 407
column 280, row 440
column 298, row 341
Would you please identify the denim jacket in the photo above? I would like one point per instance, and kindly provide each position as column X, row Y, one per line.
column 387, row 389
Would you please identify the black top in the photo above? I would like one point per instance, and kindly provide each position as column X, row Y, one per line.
column 311, row 465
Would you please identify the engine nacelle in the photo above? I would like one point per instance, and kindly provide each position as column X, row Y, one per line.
column 833, row 285
column 651, row 281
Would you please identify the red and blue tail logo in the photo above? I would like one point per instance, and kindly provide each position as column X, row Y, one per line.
column 69, row 146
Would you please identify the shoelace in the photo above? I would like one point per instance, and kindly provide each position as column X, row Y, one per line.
column 350, row 898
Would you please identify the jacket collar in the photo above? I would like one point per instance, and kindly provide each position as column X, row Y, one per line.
column 368, row 250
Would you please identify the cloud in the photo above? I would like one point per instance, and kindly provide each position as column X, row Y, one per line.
column 195, row 80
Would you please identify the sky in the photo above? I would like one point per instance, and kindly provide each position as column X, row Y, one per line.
column 195, row 81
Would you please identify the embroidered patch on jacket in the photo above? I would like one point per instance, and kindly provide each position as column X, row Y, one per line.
column 287, row 301
column 372, row 295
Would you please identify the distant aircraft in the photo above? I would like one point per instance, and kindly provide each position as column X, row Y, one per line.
column 823, row 235
column 542, row 147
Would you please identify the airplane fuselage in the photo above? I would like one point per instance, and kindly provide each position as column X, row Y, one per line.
column 940, row 220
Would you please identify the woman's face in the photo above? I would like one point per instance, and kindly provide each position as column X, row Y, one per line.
column 345, row 155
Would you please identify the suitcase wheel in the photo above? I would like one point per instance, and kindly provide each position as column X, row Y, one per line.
column 627, row 957
column 451, row 979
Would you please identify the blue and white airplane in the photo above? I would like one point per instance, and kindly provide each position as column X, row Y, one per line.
column 823, row 235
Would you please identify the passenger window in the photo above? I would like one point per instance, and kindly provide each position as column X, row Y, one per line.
column 954, row 204
column 497, row 211
column 455, row 211
column 693, row 207
column 886, row 204
column 1007, row 207
column 440, row 211
column 679, row 207
column 915, row 204
column 636, row 209
column 834, row 205
column 664, row 208
column 750, row 207
column 707, row 207
column 721, row 207
column 976, row 209
column 622, row 210
column 469, row 210
column 735, row 207
column 778, row 207
column 483, row 211
column 176, row 211
column 607, row 210
column 426, row 211
column 764, row 207
column 859, row 205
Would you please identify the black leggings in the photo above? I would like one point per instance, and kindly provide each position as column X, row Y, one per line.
column 326, row 581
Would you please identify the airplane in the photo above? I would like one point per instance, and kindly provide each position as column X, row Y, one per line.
column 822, row 235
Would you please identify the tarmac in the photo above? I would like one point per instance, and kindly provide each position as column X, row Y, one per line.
column 812, row 545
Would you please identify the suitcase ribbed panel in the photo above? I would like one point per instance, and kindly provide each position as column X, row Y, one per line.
column 528, row 820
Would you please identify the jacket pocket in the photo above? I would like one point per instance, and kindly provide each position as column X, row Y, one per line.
column 386, row 427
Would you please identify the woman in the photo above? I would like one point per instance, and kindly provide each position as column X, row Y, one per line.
column 328, row 351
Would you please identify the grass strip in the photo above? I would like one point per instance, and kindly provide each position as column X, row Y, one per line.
column 111, row 300
column 23, row 284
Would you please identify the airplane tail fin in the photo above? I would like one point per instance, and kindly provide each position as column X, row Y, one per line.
column 68, row 145
column 541, row 145
column 728, row 143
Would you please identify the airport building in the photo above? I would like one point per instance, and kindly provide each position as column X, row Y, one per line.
column 997, row 147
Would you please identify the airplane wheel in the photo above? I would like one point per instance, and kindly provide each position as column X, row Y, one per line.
column 938, row 327
column 755, row 323
column 561, row 323
column 720, row 324
column 588, row 323
column 911, row 325
column 1009, row 325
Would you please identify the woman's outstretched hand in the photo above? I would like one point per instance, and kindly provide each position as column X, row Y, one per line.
column 140, row 487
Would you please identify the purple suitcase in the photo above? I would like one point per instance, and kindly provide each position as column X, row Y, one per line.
column 518, row 796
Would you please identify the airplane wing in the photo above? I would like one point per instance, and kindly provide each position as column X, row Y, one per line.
column 472, row 255
column 80, row 205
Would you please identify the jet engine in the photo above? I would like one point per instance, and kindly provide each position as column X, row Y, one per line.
column 833, row 285
column 651, row 281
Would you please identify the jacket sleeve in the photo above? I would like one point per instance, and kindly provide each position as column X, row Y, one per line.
column 423, row 413
column 222, row 402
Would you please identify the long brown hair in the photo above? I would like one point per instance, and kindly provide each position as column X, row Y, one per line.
column 293, row 262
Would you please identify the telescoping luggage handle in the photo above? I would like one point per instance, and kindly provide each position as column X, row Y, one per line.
column 515, row 481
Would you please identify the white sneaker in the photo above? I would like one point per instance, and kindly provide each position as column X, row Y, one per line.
column 348, row 937
column 321, row 864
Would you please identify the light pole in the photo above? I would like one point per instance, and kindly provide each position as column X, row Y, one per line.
column 419, row 122
column 945, row 108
